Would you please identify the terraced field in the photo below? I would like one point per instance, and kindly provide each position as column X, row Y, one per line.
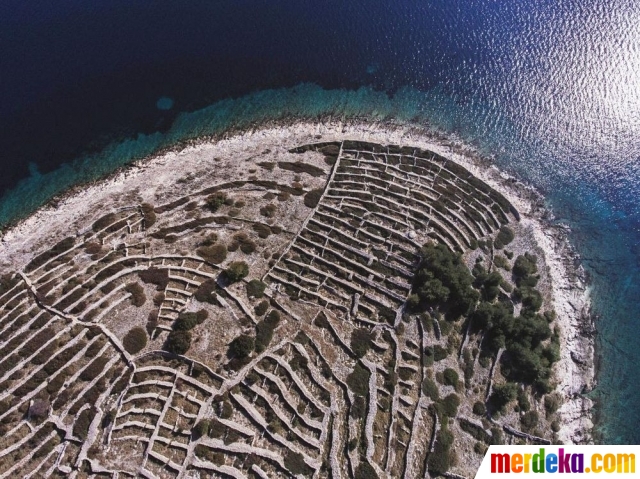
column 274, row 325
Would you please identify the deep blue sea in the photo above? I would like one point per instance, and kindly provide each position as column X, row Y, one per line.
column 549, row 88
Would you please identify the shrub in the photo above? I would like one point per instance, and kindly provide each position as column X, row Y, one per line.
column 178, row 342
column 300, row 167
column 504, row 237
column 360, row 342
column 255, row 288
column 215, row 254
column 294, row 462
column 529, row 420
column 200, row 429
column 365, row 471
column 157, row 276
column 241, row 347
column 216, row 200
column 312, row 198
column 450, row 377
column 269, row 210
column 261, row 308
column 450, row 405
column 503, row 395
column 443, row 279
column 39, row 409
column 149, row 214
column 103, row 222
column 552, row 403
column 138, row 297
column 479, row 408
column 83, row 421
column 358, row 380
column 188, row 320
column 264, row 330
column 135, row 340
column 206, row 292
column 430, row 389
column 237, row 271
column 263, row 230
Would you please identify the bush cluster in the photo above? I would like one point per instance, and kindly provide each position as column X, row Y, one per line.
column 443, row 280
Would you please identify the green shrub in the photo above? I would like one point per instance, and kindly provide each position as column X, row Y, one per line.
column 200, row 429
column 450, row 405
column 237, row 271
column 529, row 420
column 479, row 408
column 261, row 308
column 503, row 395
column 149, row 214
column 365, row 471
column 178, row 342
column 450, row 377
column 255, row 288
column 157, row 276
column 135, row 340
column 188, row 320
column 358, row 380
column 360, row 342
column 206, row 292
column 294, row 462
column 138, row 297
column 312, row 197
column 242, row 346
column 430, row 389
column 504, row 237
column 216, row 200
column 443, row 280
column 215, row 254
column 552, row 403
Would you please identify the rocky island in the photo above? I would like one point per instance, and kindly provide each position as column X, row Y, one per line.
column 309, row 300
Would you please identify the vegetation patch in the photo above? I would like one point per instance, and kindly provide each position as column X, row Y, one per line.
column 255, row 288
column 135, row 340
column 300, row 167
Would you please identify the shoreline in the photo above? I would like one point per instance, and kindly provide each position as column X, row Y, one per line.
column 570, row 292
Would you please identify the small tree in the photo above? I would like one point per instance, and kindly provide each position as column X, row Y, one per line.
column 242, row 346
column 178, row 342
column 237, row 271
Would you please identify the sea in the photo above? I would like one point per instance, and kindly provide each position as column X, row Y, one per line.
column 549, row 89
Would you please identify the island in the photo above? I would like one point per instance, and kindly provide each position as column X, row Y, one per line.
column 325, row 299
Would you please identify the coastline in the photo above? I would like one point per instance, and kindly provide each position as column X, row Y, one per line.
column 570, row 292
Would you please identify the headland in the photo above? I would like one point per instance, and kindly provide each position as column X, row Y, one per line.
column 350, row 299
